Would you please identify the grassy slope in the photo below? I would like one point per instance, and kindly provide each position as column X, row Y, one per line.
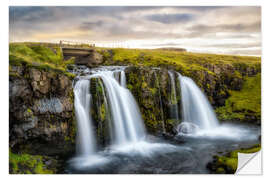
column 38, row 56
column 177, row 59
column 244, row 102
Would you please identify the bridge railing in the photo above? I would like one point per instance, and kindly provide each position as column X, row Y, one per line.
column 68, row 44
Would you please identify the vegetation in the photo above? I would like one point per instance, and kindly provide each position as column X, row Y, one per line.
column 39, row 56
column 229, row 162
column 243, row 103
column 188, row 60
column 27, row 164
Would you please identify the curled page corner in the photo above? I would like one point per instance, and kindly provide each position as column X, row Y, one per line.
column 249, row 163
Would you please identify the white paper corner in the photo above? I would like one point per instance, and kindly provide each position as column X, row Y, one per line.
column 249, row 164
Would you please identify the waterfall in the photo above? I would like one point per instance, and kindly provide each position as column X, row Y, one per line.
column 196, row 109
column 120, row 76
column 123, row 79
column 127, row 124
column 175, row 112
column 85, row 139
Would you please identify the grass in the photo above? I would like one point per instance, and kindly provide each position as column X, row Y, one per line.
column 243, row 102
column 230, row 161
column 27, row 164
column 39, row 56
column 188, row 60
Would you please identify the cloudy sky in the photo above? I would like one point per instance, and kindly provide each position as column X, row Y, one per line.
column 224, row 30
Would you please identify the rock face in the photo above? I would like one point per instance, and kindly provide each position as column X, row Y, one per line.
column 41, row 113
column 151, row 89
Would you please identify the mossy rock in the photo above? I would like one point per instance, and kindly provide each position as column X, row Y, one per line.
column 31, row 164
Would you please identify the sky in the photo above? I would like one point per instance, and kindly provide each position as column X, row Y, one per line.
column 222, row 30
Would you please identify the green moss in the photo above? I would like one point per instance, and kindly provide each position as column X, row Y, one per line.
column 27, row 164
column 29, row 110
column 229, row 162
column 243, row 103
column 129, row 86
column 102, row 111
column 153, row 90
column 220, row 170
column 144, row 85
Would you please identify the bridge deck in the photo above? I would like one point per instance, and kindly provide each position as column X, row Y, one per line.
column 70, row 51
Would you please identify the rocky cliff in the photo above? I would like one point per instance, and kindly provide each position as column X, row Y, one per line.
column 41, row 113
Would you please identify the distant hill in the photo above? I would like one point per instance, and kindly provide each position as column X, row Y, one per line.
column 173, row 49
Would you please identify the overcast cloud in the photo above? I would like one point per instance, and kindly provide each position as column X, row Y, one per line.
column 229, row 30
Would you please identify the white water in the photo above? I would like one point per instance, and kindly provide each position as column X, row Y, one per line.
column 127, row 122
column 195, row 107
column 85, row 139
column 199, row 118
column 123, row 79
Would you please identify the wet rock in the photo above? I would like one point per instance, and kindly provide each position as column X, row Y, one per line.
column 150, row 88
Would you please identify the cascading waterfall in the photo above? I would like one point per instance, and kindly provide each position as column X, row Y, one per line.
column 196, row 109
column 123, row 79
column 127, row 125
column 198, row 116
column 85, row 139
column 127, row 122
